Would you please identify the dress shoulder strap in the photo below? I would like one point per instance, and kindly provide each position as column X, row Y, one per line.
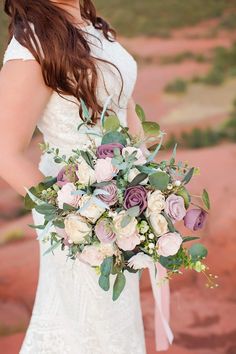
column 17, row 51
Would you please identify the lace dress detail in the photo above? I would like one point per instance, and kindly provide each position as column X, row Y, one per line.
column 71, row 314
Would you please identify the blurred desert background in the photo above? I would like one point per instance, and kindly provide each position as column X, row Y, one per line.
column 186, row 52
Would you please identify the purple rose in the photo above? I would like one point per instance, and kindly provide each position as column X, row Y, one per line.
column 107, row 150
column 111, row 198
column 175, row 207
column 66, row 175
column 136, row 196
column 104, row 231
column 194, row 219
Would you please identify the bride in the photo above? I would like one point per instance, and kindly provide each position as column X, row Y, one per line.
column 60, row 52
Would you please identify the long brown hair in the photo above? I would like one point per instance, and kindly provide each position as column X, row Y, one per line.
column 67, row 64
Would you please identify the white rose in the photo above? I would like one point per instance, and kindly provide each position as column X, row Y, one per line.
column 76, row 228
column 93, row 211
column 104, row 170
column 140, row 261
column 133, row 173
column 158, row 223
column 156, row 202
column 169, row 244
column 107, row 249
column 85, row 173
column 141, row 160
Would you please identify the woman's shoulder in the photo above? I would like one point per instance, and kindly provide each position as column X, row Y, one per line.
column 15, row 50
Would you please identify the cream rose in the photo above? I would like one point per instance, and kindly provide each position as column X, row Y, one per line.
column 93, row 211
column 141, row 160
column 85, row 173
column 158, row 223
column 107, row 249
column 76, row 228
column 129, row 229
column 169, row 244
column 156, row 202
column 127, row 237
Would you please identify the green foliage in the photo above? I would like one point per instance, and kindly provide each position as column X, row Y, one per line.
column 176, row 86
column 182, row 192
column 118, row 286
column 156, row 17
column 197, row 251
column 228, row 21
column 111, row 123
column 140, row 113
column 114, row 137
column 159, row 180
column 206, row 199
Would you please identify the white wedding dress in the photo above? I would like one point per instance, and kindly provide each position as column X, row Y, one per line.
column 71, row 314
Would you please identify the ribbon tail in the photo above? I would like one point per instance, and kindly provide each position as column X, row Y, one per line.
column 163, row 333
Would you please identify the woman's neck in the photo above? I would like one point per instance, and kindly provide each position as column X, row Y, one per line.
column 73, row 8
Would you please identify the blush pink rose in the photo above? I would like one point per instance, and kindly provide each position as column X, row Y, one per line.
column 169, row 244
column 128, row 243
column 92, row 255
column 65, row 195
column 104, row 170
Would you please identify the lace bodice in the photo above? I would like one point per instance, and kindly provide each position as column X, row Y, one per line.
column 61, row 118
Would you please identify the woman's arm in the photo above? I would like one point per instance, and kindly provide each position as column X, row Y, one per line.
column 23, row 97
column 133, row 120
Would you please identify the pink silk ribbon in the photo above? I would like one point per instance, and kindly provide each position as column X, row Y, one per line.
column 163, row 334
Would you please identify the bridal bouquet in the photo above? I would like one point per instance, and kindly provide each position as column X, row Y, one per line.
column 115, row 207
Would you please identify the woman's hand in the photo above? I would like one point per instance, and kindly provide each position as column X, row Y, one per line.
column 23, row 97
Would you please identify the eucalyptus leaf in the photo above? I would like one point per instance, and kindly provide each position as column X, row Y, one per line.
column 52, row 248
column 159, row 180
column 106, row 266
column 45, row 231
column 140, row 113
column 188, row 175
column 45, row 209
column 133, row 212
column 171, row 262
column 104, row 282
column 68, row 207
column 111, row 123
column 49, row 181
column 102, row 118
column 151, row 128
column 114, row 137
column 85, row 110
column 169, row 222
column 88, row 158
column 39, row 227
column 197, row 251
column 118, row 286
column 182, row 192
column 206, row 199
column 138, row 179
column 190, row 238
column 125, row 220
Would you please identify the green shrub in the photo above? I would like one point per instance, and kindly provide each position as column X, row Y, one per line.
column 176, row 86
